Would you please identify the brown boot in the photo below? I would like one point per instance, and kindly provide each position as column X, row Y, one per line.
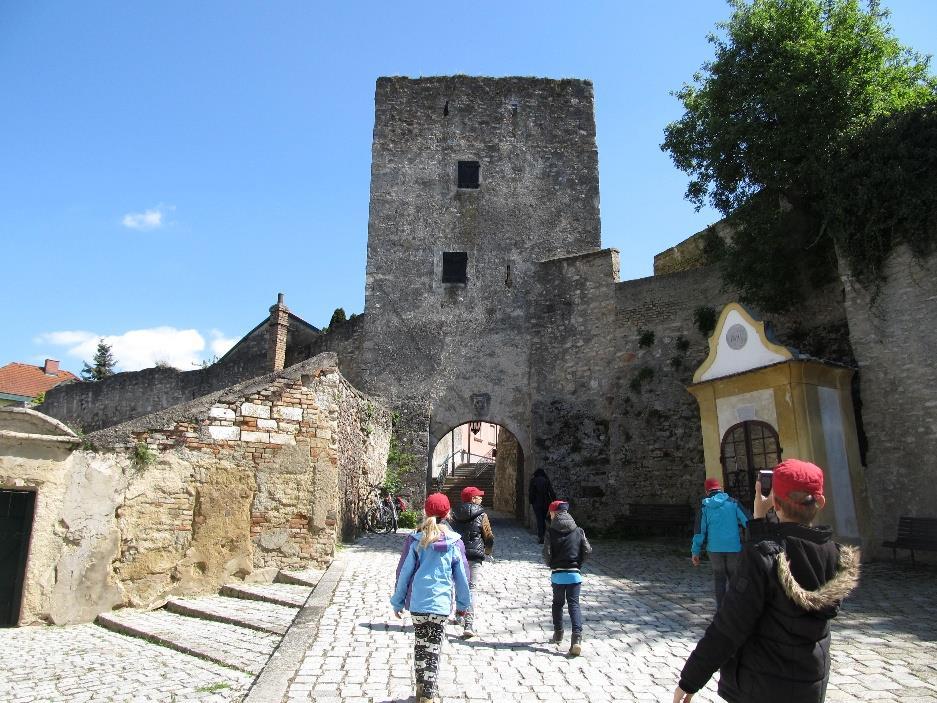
column 575, row 647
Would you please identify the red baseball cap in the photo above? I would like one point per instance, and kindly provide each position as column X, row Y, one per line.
column 470, row 492
column 797, row 475
column 558, row 505
column 711, row 484
column 436, row 505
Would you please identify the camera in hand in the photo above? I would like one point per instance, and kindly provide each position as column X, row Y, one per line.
column 765, row 477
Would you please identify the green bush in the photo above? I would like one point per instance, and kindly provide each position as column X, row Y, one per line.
column 705, row 318
column 646, row 339
column 409, row 519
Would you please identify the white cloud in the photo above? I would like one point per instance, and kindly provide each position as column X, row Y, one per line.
column 140, row 349
column 148, row 219
column 221, row 344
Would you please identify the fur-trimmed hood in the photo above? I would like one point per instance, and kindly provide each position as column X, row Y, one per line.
column 831, row 593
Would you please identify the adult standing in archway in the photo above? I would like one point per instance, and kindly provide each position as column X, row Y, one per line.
column 540, row 494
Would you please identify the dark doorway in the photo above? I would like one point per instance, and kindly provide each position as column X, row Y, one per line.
column 16, row 524
column 747, row 448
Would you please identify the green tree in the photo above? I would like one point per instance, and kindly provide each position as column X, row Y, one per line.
column 770, row 122
column 104, row 363
column 337, row 317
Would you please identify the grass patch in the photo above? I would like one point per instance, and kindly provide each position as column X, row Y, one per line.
column 212, row 688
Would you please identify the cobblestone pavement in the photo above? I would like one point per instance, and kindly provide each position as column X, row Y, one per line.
column 88, row 663
column 645, row 608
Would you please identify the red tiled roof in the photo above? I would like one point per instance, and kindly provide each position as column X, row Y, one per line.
column 29, row 380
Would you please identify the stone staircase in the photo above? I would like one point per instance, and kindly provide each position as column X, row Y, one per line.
column 481, row 476
column 238, row 628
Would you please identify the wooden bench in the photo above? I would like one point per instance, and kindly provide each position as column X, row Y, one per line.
column 914, row 533
column 667, row 516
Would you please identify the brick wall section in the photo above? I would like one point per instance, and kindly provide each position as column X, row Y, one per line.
column 277, row 327
column 892, row 334
column 304, row 449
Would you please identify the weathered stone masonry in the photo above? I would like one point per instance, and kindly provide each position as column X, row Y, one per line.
column 239, row 484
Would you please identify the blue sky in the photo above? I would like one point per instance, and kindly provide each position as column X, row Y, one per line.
column 169, row 167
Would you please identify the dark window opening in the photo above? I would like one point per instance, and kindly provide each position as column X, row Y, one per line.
column 454, row 266
column 468, row 174
column 445, row 110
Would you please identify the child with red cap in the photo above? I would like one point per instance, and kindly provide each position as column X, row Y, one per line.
column 432, row 562
column 565, row 548
column 717, row 526
column 471, row 522
column 771, row 637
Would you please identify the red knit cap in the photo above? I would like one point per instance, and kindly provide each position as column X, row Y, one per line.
column 558, row 506
column 436, row 505
column 797, row 475
column 470, row 492
column 712, row 484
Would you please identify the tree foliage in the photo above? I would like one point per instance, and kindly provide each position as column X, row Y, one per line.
column 337, row 317
column 103, row 366
column 801, row 93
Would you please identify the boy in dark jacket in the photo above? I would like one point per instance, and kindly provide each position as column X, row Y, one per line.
column 771, row 637
column 471, row 522
column 565, row 548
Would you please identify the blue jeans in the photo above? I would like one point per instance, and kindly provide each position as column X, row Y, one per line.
column 724, row 567
column 568, row 593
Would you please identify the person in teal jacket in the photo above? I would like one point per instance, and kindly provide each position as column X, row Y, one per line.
column 718, row 529
column 431, row 563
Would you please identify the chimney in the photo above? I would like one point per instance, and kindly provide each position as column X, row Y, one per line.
column 51, row 367
column 276, row 335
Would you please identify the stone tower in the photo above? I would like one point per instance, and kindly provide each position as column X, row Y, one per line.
column 474, row 181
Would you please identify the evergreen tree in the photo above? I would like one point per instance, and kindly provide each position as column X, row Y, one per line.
column 337, row 316
column 104, row 363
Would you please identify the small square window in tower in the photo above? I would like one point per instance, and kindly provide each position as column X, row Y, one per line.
column 468, row 174
column 454, row 266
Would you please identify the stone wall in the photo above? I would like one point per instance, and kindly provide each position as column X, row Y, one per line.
column 506, row 497
column 892, row 334
column 445, row 353
column 573, row 378
column 238, row 484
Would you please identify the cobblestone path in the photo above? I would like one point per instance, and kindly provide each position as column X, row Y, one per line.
column 645, row 608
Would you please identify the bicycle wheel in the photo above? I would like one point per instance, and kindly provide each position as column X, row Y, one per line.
column 372, row 520
column 387, row 520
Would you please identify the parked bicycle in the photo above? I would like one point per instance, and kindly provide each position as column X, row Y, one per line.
column 382, row 515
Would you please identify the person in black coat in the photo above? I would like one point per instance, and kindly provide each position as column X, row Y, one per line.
column 564, row 551
column 540, row 494
column 471, row 522
column 770, row 639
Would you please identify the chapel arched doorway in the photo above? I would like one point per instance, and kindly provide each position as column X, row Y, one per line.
column 747, row 448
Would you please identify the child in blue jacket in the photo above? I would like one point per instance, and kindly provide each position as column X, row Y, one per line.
column 719, row 520
column 432, row 561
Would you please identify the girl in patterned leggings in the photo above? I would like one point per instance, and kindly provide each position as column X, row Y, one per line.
column 432, row 561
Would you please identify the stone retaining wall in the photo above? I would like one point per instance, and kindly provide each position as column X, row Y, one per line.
column 239, row 484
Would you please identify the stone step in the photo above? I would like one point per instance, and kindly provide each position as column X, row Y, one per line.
column 254, row 614
column 279, row 593
column 306, row 577
column 229, row 645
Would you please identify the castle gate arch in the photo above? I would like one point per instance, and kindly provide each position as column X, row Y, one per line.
column 482, row 453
